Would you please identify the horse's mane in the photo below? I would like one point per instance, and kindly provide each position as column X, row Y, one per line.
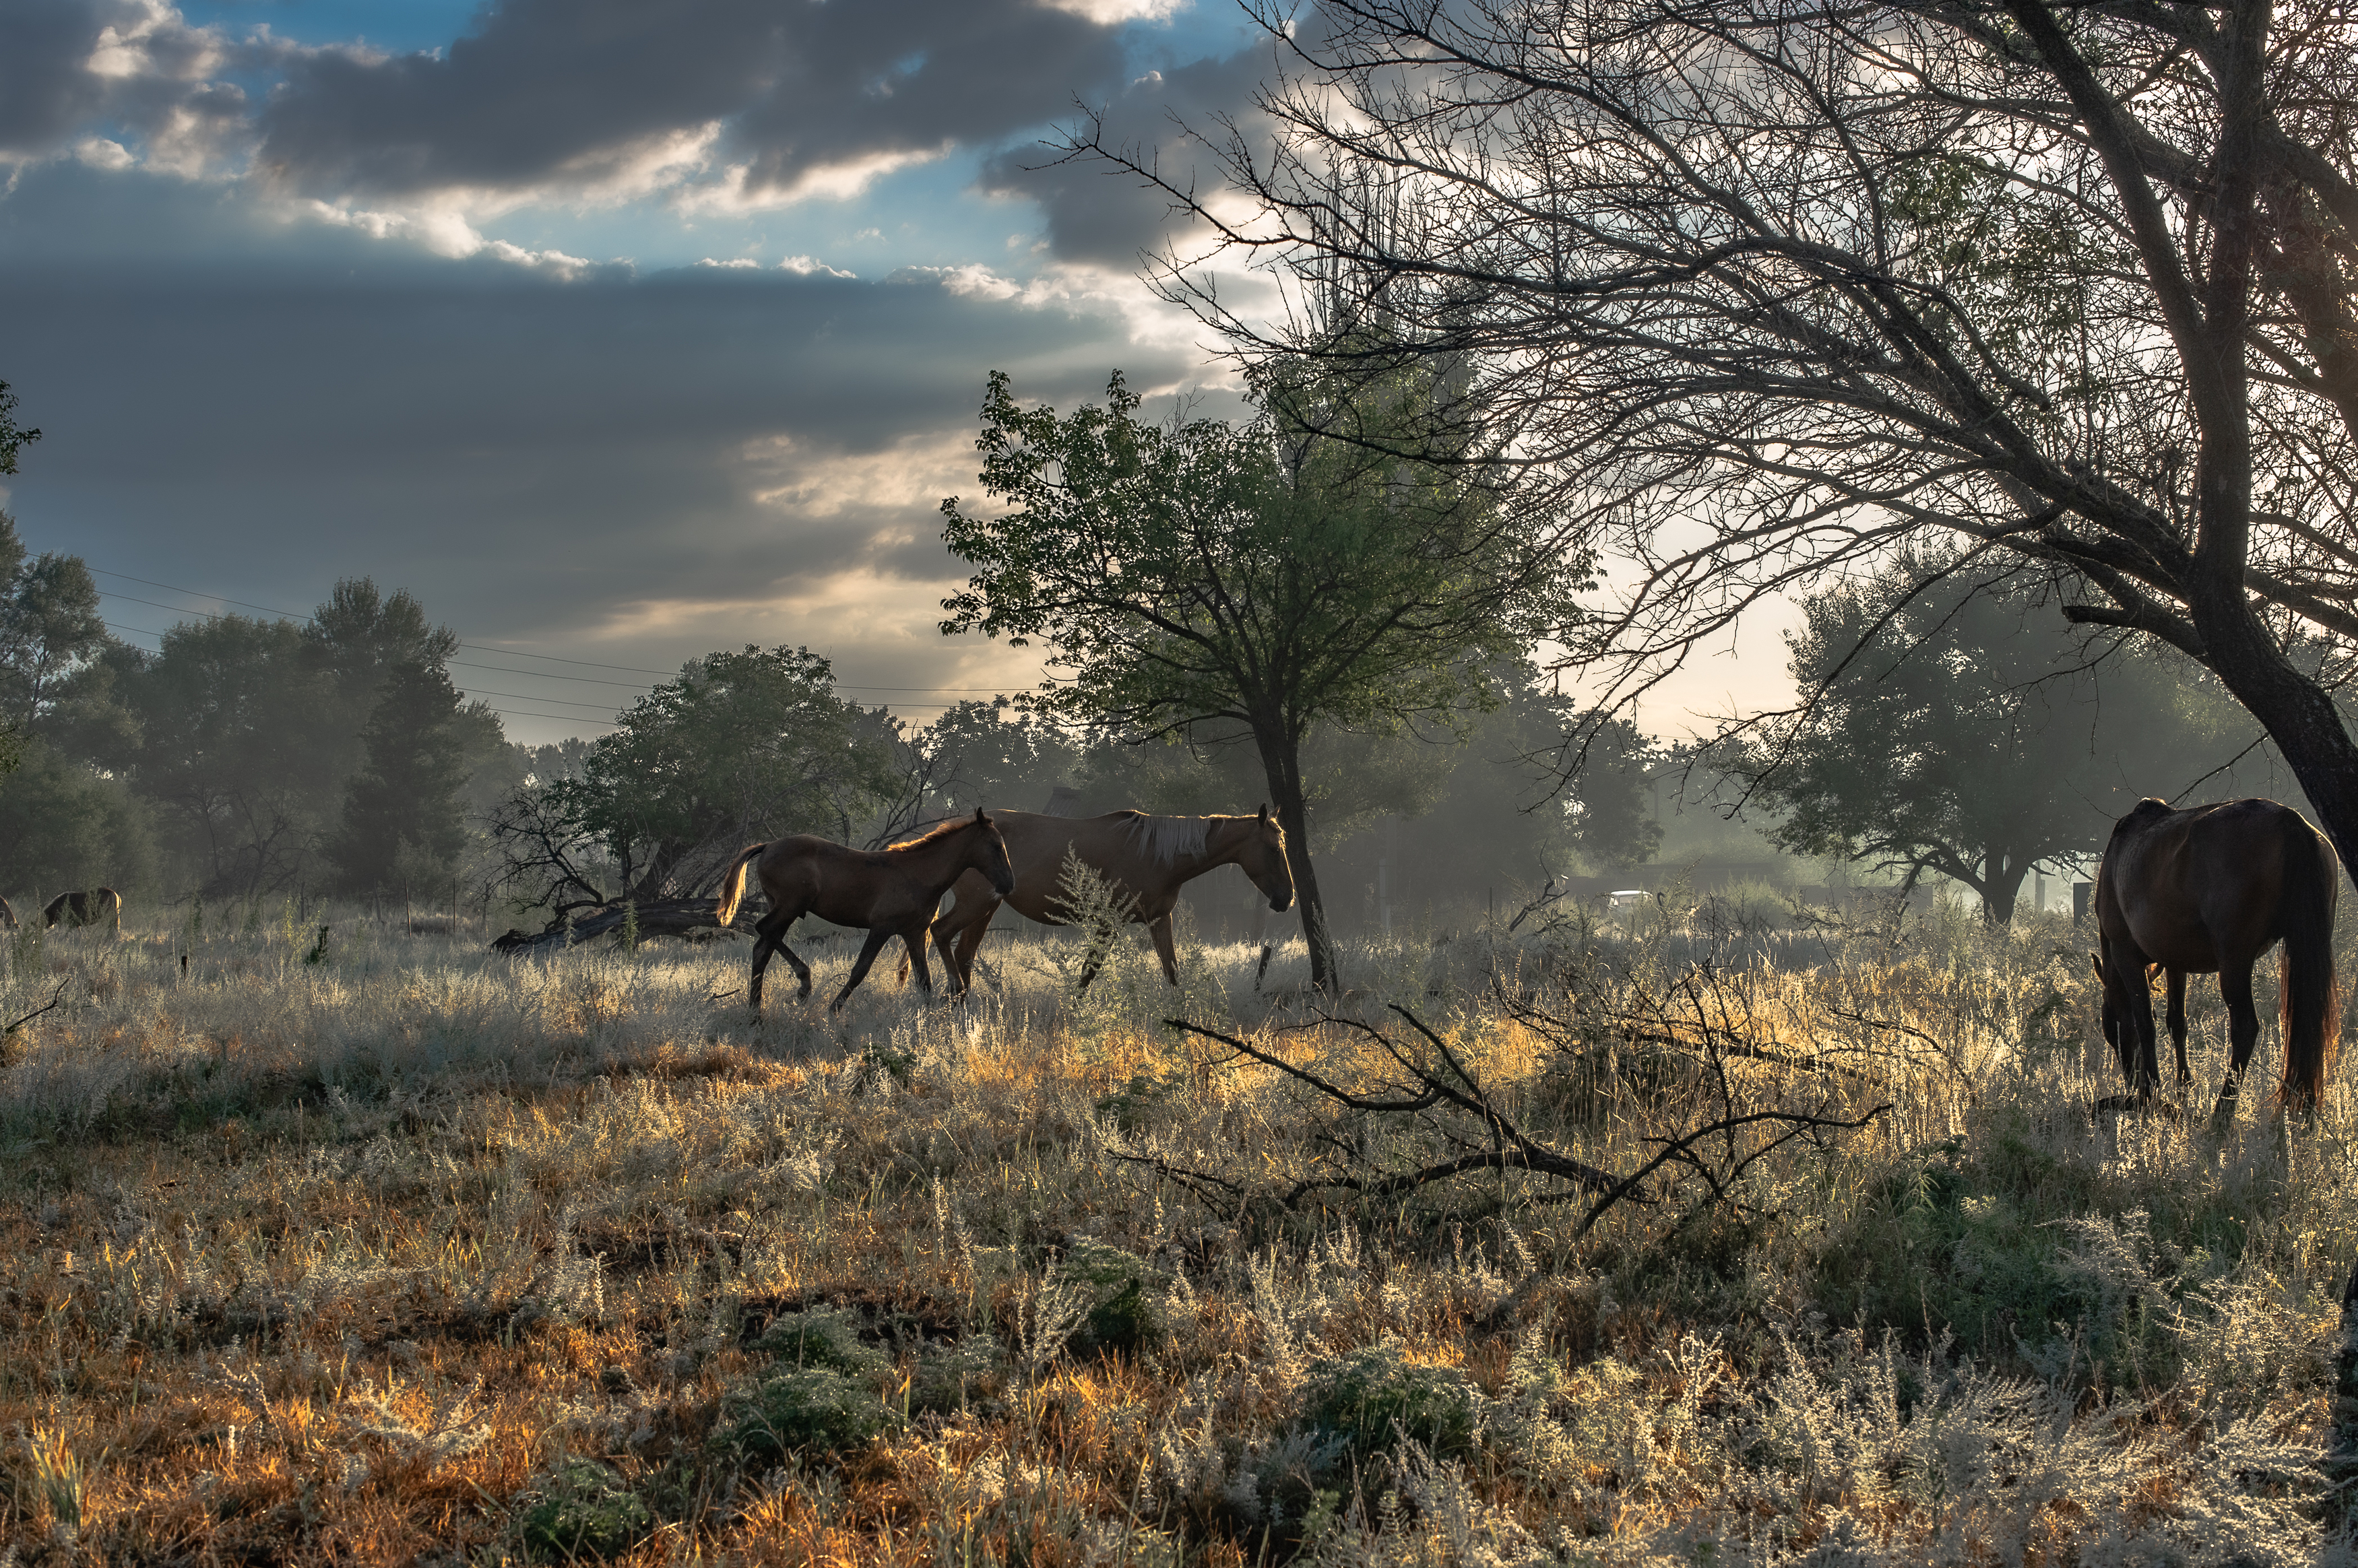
column 939, row 830
column 1165, row 838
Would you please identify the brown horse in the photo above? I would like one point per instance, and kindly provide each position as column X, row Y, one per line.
column 87, row 908
column 891, row 892
column 2207, row 890
column 1144, row 859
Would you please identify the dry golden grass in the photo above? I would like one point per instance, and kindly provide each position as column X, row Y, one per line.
column 402, row 1256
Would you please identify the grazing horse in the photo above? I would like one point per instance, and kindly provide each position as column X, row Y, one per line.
column 2207, row 890
column 87, row 908
column 1144, row 859
column 892, row 891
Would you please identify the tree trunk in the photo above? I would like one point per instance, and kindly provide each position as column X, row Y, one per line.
column 2001, row 886
column 2298, row 714
column 1280, row 758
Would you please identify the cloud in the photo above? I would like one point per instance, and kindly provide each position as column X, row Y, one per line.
column 801, row 102
column 71, row 69
column 664, row 463
column 1098, row 214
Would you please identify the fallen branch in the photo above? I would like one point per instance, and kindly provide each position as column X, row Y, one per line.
column 1500, row 1145
column 658, row 917
column 55, row 996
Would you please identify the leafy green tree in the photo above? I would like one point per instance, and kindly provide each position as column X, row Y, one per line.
column 50, row 632
column 990, row 756
column 64, row 823
column 1959, row 728
column 1307, row 568
column 12, row 436
column 246, row 733
column 402, row 825
column 1609, row 806
column 238, row 745
column 739, row 747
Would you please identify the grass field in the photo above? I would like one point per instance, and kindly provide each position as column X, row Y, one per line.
column 386, row 1249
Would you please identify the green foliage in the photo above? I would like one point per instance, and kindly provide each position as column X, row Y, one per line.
column 740, row 747
column 64, row 825
column 822, row 1338
column 988, row 756
column 401, row 828
column 582, row 1508
column 14, row 437
column 249, row 736
column 809, row 1410
column 1124, row 1315
column 1346, row 559
column 1374, row 1398
column 1961, row 729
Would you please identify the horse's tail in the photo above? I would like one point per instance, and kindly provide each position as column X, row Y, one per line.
column 732, row 886
column 2310, row 1010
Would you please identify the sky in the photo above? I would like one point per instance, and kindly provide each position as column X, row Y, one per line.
column 616, row 332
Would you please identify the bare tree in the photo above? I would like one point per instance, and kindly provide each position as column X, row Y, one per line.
column 1774, row 286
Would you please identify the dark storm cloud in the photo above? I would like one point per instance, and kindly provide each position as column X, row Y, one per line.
column 1096, row 212
column 549, row 89
column 529, row 453
column 73, row 68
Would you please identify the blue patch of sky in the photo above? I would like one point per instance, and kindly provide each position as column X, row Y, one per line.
column 398, row 27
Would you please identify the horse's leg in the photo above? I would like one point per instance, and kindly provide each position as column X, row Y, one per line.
column 769, row 937
column 2243, row 1029
column 916, row 942
column 969, row 942
column 2176, row 980
column 1159, row 929
column 877, row 937
column 2139, row 1060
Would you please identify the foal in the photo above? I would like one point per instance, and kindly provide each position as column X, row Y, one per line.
column 891, row 892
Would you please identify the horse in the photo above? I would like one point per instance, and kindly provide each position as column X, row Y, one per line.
column 2207, row 890
column 86, row 909
column 891, row 892
column 1144, row 859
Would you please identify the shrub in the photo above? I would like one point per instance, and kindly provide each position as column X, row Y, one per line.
column 583, row 1508
column 807, row 1411
column 1122, row 1316
column 1374, row 1398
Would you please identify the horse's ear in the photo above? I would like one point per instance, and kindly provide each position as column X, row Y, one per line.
column 1264, row 811
column 980, row 817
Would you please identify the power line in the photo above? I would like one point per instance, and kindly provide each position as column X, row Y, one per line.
column 504, row 712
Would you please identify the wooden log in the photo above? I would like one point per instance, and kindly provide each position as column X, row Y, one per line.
column 657, row 917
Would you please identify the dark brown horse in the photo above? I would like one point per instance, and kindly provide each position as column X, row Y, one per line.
column 892, row 893
column 87, row 908
column 2207, row 890
column 1145, row 861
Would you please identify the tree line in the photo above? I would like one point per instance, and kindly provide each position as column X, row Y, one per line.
column 1238, row 613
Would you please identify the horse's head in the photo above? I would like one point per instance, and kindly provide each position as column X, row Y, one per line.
column 1265, row 862
column 989, row 854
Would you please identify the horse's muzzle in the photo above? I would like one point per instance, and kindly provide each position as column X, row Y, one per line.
column 1282, row 904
